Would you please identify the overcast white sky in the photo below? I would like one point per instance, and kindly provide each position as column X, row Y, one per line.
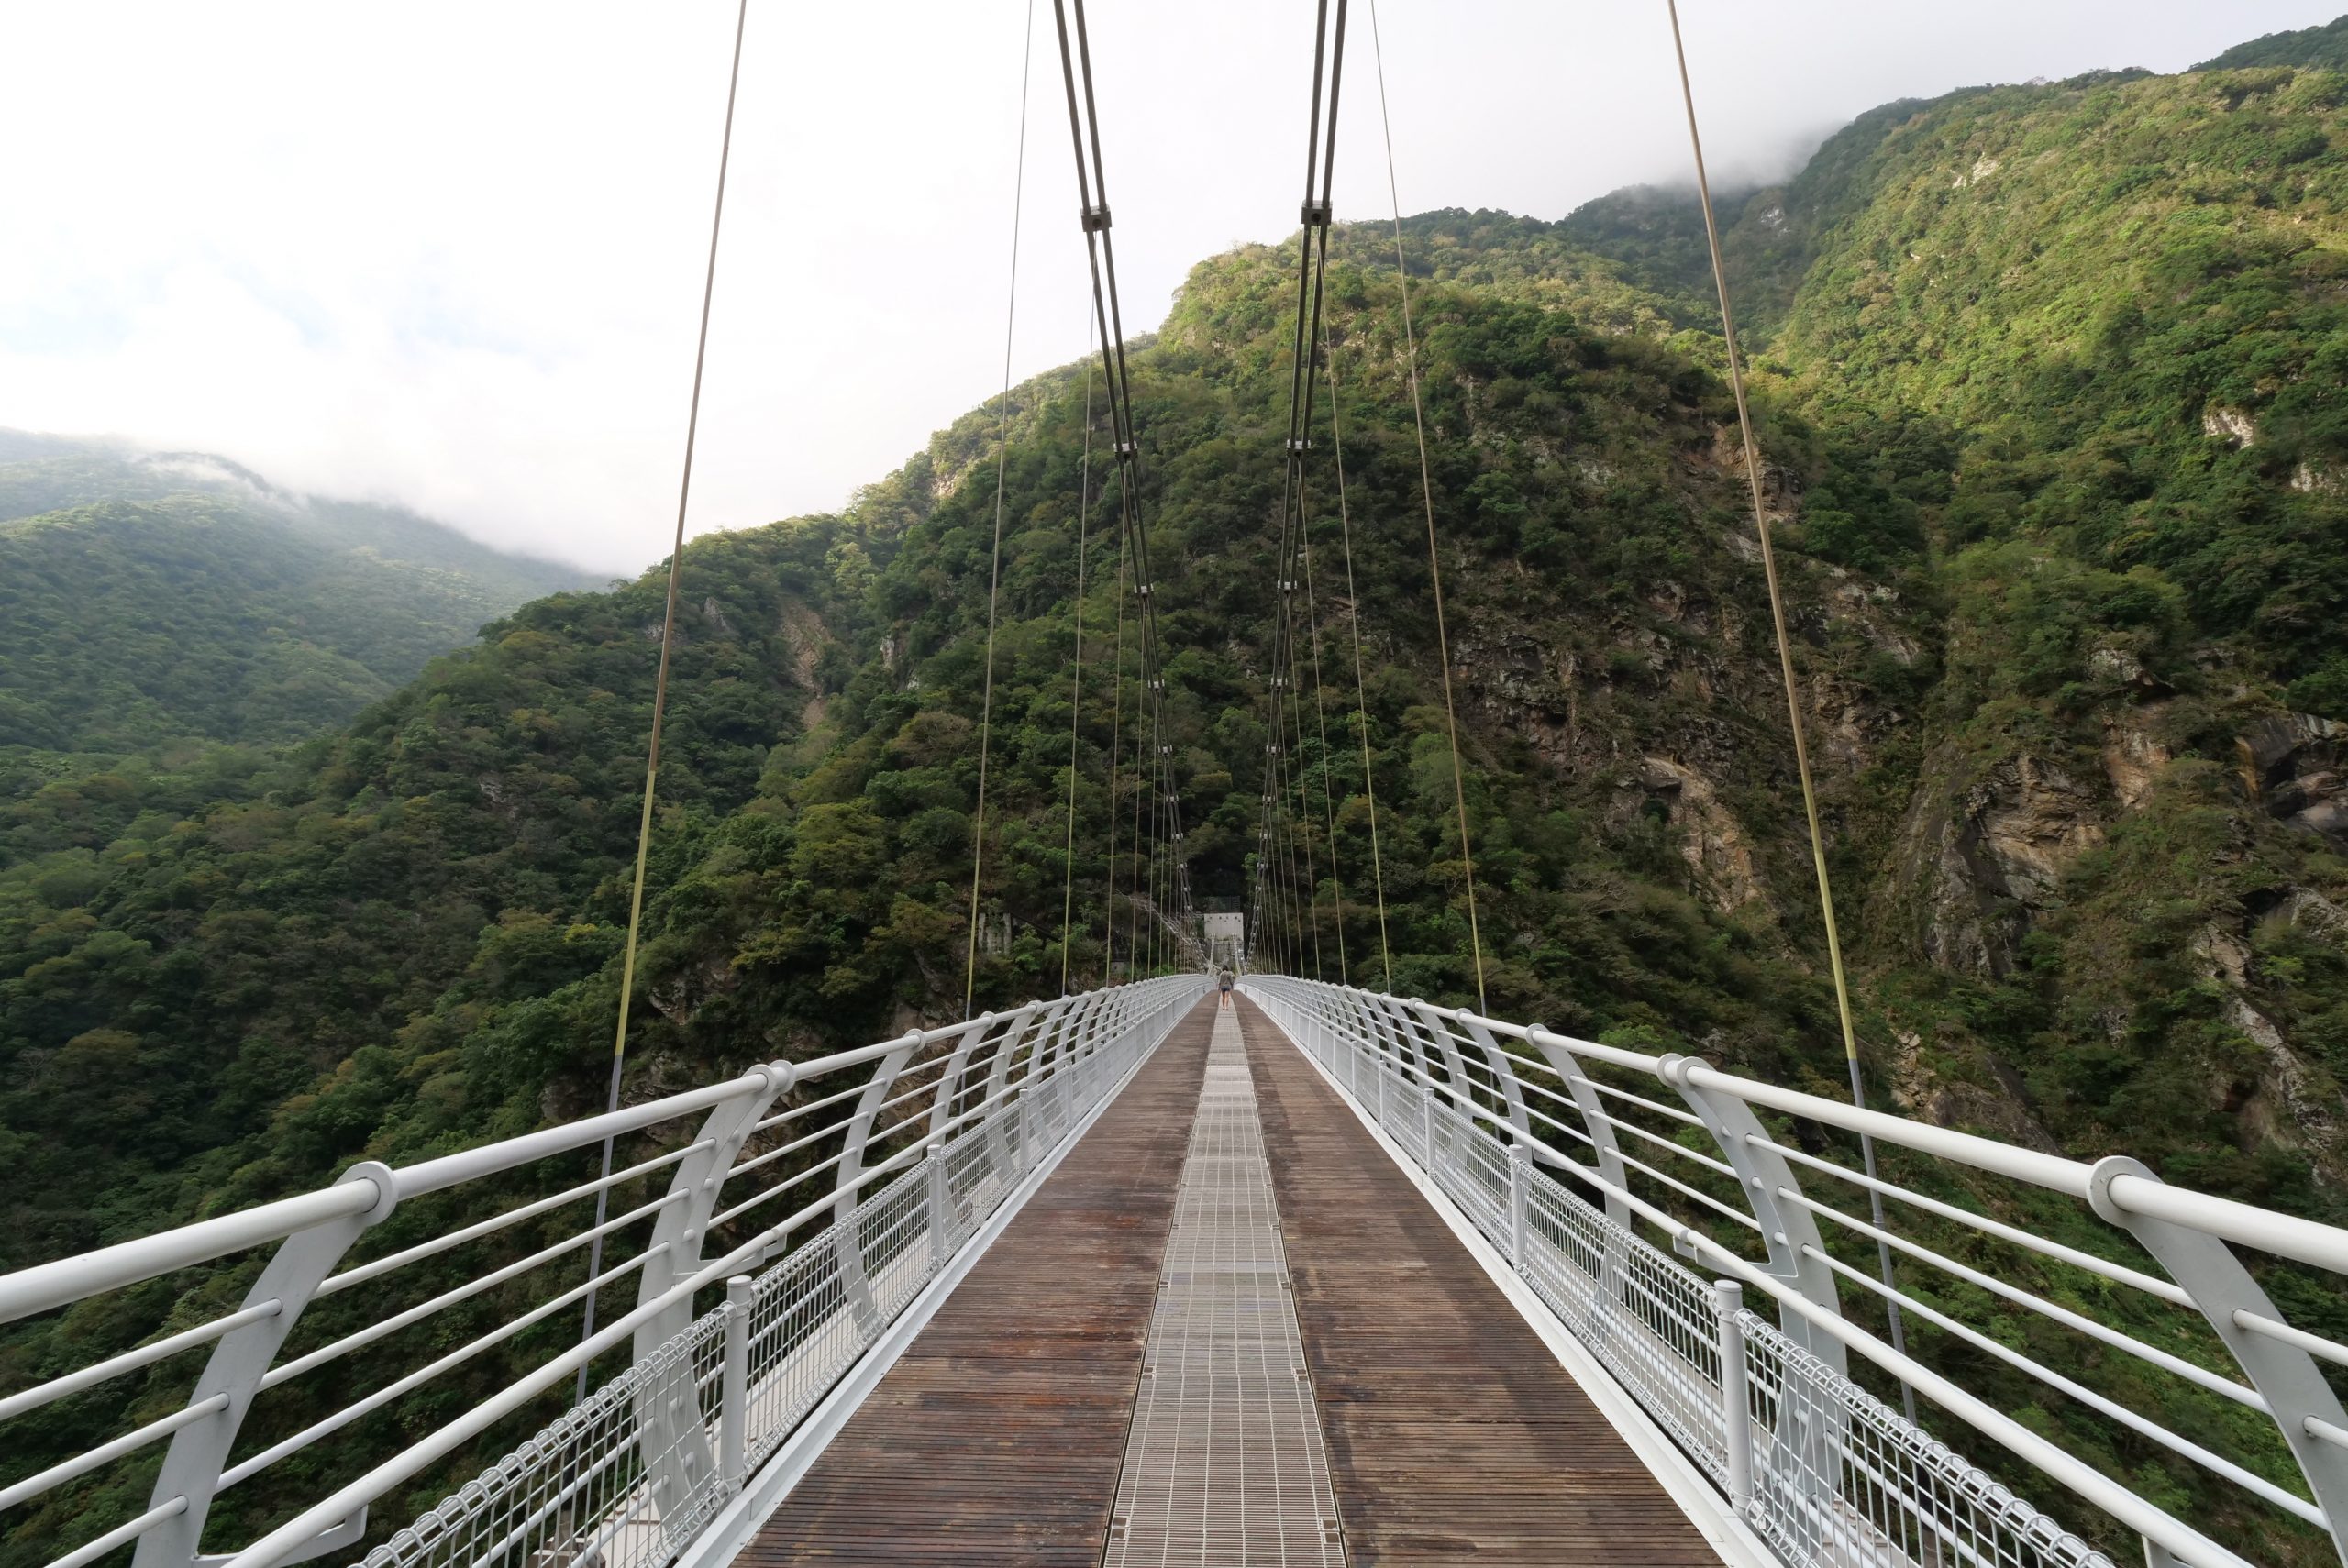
column 449, row 253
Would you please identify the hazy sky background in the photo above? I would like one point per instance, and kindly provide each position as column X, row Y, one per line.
column 450, row 253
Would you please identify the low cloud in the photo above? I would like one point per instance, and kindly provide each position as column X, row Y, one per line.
column 364, row 262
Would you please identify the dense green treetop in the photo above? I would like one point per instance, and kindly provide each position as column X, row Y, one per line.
column 156, row 597
column 2326, row 46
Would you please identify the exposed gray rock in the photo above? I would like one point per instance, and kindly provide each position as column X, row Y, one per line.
column 2231, row 425
column 2295, row 766
column 1715, row 846
column 2002, row 1112
column 2290, row 1102
column 2307, row 908
column 1991, row 861
column 2132, row 761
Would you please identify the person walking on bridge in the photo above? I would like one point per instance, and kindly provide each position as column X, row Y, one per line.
column 1227, row 990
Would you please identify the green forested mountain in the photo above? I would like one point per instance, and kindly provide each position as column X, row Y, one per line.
column 2049, row 380
column 2326, row 46
column 154, row 597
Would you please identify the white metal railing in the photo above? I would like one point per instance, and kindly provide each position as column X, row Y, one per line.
column 818, row 1197
column 1562, row 1151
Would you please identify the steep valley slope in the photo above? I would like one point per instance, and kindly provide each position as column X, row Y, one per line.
column 164, row 614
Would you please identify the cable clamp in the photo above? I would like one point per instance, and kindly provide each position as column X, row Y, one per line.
column 1095, row 219
column 1300, row 443
column 1128, row 450
column 1316, row 214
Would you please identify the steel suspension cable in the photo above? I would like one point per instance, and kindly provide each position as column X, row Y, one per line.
column 1283, row 696
column 1132, row 883
column 1143, row 775
column 1002, row 474
column 1786, row 670
column 1116, row 756
column 1311, row 878
column 1076, row 678
column 1361, row 689
column 1162, row 864
column 1301, row 933
column 1426, row 489
column 661, row 679
column 1285, row 841
column 1301, row 821
column 1321, row 721
column 1092, row 189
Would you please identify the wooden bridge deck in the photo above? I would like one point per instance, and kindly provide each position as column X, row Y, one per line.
column 1452, row 1433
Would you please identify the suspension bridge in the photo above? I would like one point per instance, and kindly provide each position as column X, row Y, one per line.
column 1153, row 1273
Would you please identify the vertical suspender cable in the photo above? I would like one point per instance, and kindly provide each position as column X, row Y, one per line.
column 1092, row 189
column 1298, row 815
column 1278, row 664
column 1362, row 687
column 1142, row 775
column 1002, row 472
column 1786, row 670
column 1076, row 679
column 1285, row 663
column 660, row 681
column 1116, row 745
column 1321, row 721
column 1300, row 822
column 1426, row 489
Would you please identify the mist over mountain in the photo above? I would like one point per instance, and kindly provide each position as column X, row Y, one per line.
column 155, row 603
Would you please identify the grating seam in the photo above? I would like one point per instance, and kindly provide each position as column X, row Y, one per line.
column 1226, row 1464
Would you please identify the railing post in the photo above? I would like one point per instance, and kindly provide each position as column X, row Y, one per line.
column 1736, row 1400
column 200, row 1451
column 2298, row 1395
column 847, row 1227
column 949, row 1078
column 1377, row 1029
column 1557, row 1052
column 1503, row 1068
column 1045, row 1086
column 733, row 1394
column 674, row 1442
column 1797, row 1253
column 1431, row 1032
column 941, row 1205
column 1520, row 1177
column 995, row 1125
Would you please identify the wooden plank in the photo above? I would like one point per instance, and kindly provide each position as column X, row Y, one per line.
column 1452, row 1434
column 997, row 1437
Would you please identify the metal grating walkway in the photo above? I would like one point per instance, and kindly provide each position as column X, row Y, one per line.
column 1226, row 1464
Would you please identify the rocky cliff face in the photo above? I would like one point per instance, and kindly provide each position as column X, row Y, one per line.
column 1987, row 858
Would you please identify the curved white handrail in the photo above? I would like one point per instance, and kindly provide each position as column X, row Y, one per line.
column 907, row 1174
column 1466, row 1122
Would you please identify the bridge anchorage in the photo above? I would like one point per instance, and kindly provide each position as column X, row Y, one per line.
column 1315, row 1273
